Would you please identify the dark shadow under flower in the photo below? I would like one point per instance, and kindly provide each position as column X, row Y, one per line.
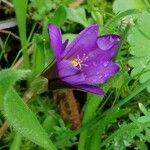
column 87, row 60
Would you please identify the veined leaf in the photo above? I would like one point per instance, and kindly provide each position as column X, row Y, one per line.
column 59, row 16
column 8, row 77
column 121, row 5
column 24, row 121
column 139, row 41
column 77, row 15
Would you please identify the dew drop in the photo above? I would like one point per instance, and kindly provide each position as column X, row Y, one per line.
column 111, row 39
column 94, row 64
column 94, row 80
column 105, row 64
column 118, row 39
column 100, row 77
column 107, row 75
column 105, row 43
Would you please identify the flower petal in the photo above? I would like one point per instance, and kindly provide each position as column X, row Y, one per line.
column 91, row 89
column 55, row 40
column 69, row 74
column 83, row 43
column 100, row 74
column 106, row 42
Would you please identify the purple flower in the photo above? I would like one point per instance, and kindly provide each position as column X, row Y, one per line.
column 85, row 61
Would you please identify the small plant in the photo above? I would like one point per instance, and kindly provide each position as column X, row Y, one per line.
column 74, row 74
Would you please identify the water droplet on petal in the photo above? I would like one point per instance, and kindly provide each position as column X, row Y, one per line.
column 111, row 39
column 100, row 77
column 106, row 42
column 94, row 64
column 107, row 75
column 105, row 64
column 118, row 39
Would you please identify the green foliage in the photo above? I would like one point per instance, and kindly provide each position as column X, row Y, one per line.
column 24, row 121
column 112, row 23
column 77, row 15
column 121, row 6
column 16, row 144
column 8, row 78
column 59, row 16
column 115, row 121
column 93, row 101
column 38, row 63
column 20, row 10
column 139, row 41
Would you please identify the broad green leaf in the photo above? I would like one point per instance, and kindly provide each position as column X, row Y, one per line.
column 20, row 10
column 24, row 121
column 144, row 119
column 123, row 5
column 8, row 77
column 77, row 15
column 139, row 41
column 59, row 16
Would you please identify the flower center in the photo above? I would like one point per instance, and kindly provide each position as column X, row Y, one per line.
column 79, row 62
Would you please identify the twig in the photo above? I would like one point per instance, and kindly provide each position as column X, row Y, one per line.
column 9, row 32
column 19, row 62
column 8, row 3
column 8, row 23
column 3, row 128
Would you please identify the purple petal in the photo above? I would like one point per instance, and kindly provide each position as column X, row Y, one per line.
column 100, row 74
column 91, row 89
column 55, row 40
column 100, row 61
column 106, row 42
column 68, row 73
column 83, row 43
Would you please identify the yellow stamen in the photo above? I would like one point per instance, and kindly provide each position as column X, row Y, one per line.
column 77, row 62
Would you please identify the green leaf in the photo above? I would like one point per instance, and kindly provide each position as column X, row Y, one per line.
column 24, row 121
column 59, row 17
column 38, row 54
column 123, row 130
column 110, row 117
column 93, row 101
column 20, row 10
column 121, row 5
column 16, row 144
column 143, row 109
column 112, row 23
column 144, row 119
column 139, row 41
column 8, row 77
column 77, row 15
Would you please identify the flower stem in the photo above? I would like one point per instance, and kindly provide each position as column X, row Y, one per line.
column 93, row 101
